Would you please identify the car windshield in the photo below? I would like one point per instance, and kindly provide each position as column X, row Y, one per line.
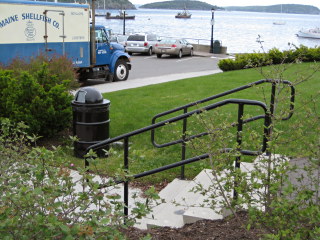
column 168, row 41
column 136, row 38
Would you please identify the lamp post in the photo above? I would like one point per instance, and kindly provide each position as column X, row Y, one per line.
column 124, row 22
column 212, row 23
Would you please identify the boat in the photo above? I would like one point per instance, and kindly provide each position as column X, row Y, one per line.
column 279, row 22
column 184, row 14
column 121, row 15
column 309, row 33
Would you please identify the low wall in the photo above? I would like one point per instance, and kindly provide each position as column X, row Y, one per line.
column 201, row 48
column 206, row 48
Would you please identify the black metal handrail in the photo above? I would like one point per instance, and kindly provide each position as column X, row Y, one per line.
column 240, row 121
column 185, row 108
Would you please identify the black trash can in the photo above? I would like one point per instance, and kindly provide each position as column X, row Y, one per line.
column 217, row 47
column 90, row 120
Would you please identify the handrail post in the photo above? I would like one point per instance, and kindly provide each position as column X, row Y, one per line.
column 183, row 146
column 126, row 183
column 239, row 141
column 272, row 111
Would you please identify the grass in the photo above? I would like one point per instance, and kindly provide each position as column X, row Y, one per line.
column 134, row 108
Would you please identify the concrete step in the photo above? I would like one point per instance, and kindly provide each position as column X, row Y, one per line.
column 179, row 199
column 167, row 195
column 183, row 205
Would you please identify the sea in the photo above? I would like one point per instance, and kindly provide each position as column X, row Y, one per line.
column 240, row 32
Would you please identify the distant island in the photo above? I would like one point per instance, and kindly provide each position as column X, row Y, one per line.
column 198, row 5
column 114, row 4
column 286, row 8
column 180, row 4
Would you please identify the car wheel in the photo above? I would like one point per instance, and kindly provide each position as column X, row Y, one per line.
column 180, row 54
column 130, row 53
column 191, row 52
column 150, row 52
column 159, row 55
column 121, row 70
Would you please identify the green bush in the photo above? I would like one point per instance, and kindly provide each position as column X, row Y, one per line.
column 37, row 99
column 40, row 198
column 60, row 68
column 274, row 56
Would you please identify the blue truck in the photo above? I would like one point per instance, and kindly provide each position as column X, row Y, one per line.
column 31, row 28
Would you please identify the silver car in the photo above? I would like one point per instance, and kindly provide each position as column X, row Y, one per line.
column 141, row 43
column 121, row 39
column 175, row 47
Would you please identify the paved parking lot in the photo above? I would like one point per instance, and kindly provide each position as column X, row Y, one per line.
column 148, row 70
column 151, row 66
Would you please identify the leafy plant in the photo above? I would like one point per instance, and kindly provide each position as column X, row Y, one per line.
column 41, row 198
column 273, row 56
column 37, row 99
column 281, row 197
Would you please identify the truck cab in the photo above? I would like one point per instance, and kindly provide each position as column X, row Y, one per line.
column 111, row 62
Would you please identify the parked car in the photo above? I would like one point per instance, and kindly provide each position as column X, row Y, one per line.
column 121, row 39
column 175, row 47
column 141, row 43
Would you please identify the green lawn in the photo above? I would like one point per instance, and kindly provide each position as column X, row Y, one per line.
column 134, row 108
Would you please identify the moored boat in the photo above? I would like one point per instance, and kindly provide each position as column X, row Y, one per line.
column 184, row 14
column 309, row 33
column 279, row 23
column 121, row 15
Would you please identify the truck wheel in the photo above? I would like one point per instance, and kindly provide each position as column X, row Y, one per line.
column 109, row 77
column 121, row 71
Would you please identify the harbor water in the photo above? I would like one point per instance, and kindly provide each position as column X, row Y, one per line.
column 238, row 31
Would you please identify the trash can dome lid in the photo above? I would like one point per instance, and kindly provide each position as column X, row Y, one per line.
column 88, row 95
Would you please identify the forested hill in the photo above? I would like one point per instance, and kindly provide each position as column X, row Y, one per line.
column 109, row 4
column 115, row 4
column 179, row 4
column 286, row 8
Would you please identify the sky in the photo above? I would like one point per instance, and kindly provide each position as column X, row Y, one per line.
column 224, row 3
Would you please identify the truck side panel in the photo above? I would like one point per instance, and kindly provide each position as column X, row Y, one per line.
column 30, row 28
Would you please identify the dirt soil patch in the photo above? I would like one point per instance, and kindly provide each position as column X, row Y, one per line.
column 225, row 229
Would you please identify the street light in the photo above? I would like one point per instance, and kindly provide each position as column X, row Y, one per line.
column 124, row 22
column 212, row 23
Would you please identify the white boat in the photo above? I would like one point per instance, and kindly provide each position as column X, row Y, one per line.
column 309, row 33
column 184, row 14
column 279, row 23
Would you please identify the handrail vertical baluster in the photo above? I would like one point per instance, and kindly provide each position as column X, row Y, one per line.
column 239, row 141
column 183, row 146
column 126, row 183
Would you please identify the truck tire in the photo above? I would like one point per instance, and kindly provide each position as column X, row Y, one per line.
column 109, row 77
column 121, row 70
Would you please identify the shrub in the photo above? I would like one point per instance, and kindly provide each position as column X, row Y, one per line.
column 59, row 67
column 36, row 99
column 39, row 201
column 274, row 56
